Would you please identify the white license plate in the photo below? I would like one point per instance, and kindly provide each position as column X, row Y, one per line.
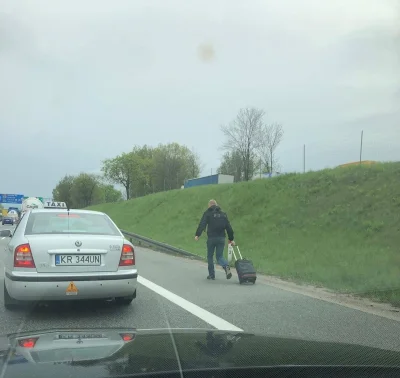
column 76, row 260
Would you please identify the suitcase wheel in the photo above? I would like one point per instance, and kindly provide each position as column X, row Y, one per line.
column 248, row 280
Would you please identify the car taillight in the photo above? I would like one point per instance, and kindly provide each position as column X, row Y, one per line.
column 23, row 257
column 28, row 343
column 127, row 336
column 127, row 256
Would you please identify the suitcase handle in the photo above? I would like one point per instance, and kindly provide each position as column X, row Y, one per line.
column 239, row 252
column 234, row 254
column 233, row 251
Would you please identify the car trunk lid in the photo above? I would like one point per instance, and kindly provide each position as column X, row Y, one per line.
column 75, row 253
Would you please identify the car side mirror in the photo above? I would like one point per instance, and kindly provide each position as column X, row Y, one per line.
column 6, row 233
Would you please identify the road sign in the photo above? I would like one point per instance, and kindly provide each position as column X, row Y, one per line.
column 11, row 198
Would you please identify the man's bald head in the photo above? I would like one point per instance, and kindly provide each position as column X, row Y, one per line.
column 212, row 203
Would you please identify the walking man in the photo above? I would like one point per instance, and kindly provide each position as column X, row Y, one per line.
column 217, row 223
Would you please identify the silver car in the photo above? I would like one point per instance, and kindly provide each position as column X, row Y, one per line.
column 68, row 255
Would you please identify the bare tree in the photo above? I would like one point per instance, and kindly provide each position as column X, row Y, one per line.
column 271, row 137
column 243, row 136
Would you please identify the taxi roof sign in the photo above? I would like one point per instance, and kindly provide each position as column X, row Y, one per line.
column 55, row 205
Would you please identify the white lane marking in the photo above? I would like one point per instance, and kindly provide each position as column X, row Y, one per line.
column 204, row 315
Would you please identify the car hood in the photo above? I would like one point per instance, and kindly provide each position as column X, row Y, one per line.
column 118, row 352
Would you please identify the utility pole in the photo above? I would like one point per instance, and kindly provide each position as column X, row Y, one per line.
column 304, row 159
column 361, row 146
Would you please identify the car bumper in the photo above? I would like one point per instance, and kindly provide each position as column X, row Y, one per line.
column 49, row 288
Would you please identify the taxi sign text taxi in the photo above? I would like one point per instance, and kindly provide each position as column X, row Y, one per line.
column 55, row 204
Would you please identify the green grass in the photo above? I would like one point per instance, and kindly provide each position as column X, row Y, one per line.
column 337, row 228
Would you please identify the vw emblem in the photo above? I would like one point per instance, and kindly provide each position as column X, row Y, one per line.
column 78, row 243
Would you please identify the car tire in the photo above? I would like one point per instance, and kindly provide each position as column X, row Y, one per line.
column 9, row 303
column 125, row 301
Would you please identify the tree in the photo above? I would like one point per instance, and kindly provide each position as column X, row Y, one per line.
column 260, row 167
column 109, row 193
column 243, row 136
column 62, row 191
column 85, row 190
column 142, row 183
column 141, row 171
column 122, row 170
column 271, row 137
column 172, row 165
column 194, row 164
column 232, row 164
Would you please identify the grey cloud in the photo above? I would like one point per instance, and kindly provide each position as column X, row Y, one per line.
column 374, row 49
column 86, row 80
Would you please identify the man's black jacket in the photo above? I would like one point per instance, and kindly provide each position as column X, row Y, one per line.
column 216, row 222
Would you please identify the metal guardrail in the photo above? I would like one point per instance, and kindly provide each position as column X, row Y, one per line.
column 166, row 247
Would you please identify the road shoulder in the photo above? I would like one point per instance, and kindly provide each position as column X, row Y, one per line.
column 381, row 309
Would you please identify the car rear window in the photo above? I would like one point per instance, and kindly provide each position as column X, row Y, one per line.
column 75, row 223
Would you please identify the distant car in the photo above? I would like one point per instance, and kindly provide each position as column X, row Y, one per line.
column 68, row 255
column 7, row 220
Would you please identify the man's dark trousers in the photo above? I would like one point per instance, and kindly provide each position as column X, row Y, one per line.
column 217, row 244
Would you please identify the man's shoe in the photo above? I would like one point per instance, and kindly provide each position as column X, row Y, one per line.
column 210, row 278
column 228, row 272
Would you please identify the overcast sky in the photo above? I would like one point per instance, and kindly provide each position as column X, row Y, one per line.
column 84, row 80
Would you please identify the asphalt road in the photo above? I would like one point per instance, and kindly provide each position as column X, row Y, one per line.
column 173, row 292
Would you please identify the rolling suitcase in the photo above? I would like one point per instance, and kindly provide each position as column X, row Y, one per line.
column 244, row 268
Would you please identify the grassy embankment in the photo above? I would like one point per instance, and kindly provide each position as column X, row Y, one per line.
column 338, row 228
